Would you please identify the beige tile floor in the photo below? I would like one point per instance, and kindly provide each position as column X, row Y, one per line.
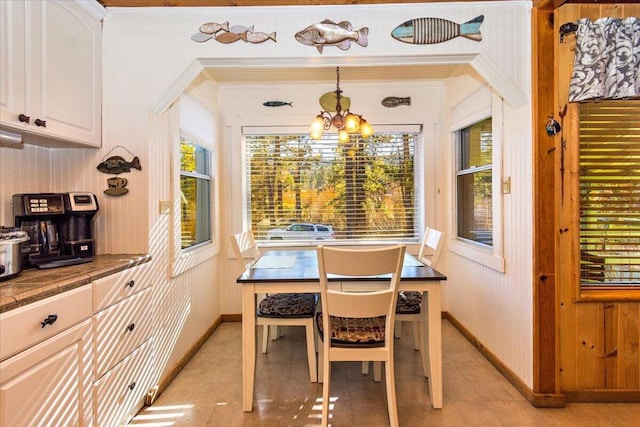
column 208, row 391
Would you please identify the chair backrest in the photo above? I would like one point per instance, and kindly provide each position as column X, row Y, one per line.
column 360, row 262
column 431, row 247
column 245, row 248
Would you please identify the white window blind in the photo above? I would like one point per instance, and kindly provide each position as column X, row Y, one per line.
column 610, row 194
column 363, row 189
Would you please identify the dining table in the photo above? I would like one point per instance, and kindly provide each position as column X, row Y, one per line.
column 286, row 271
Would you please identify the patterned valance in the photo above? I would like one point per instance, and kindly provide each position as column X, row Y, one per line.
column 607, row 60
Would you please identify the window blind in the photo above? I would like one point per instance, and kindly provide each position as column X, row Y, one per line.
column 363, row 189
column 609, row 188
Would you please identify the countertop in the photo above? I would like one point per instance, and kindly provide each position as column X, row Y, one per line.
column 33, row 284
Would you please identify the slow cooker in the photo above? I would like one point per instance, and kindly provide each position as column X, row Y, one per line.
column 11, row 244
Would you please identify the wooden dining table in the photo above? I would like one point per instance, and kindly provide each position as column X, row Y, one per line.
column 284, row 271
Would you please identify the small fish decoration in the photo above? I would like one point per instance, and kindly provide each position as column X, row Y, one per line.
column 277, row 104
column 394, row 101
column 238, row 29
column 208, row 30
column 328, row 33
column 116, row 165
column 436, row 30
column 257, row 37
column 228, row 37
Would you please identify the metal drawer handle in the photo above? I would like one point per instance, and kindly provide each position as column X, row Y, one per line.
column 42, row 123
column 131, row 326
column 24, row 118
column 50, row 320
column 130, row 283
column 132, row 386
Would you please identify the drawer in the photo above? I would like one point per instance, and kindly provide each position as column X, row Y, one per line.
column 119, row 329
column 26, row 326
column 116, row 287
column 119, row 394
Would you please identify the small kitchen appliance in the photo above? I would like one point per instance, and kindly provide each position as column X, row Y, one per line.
column 59, row 226
column 12, row 242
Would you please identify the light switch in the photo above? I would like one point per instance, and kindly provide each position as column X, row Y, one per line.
column 165, row 207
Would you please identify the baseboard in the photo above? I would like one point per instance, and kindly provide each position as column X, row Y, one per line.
column 538, row 400
column 603, row 396
column 232, row 317
column 164, row 382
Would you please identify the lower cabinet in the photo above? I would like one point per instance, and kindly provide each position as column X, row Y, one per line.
column 120, row 392
column 49, row 383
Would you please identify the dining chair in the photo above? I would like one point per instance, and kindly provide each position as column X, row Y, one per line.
column 410, row 302
column 282, row 309
column 357, row 325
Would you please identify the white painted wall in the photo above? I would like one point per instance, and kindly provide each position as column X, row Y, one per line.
column 147, row 53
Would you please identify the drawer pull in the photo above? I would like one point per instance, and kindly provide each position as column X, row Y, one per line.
column 132, row 386
column 24, row 118
column 50, row 320
column 131, row 326
column 130, row 283
column 42, row 123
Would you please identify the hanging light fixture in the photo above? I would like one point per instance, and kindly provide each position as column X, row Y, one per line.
column 345, row 121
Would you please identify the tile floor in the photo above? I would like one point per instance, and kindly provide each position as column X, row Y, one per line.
column 208, row 391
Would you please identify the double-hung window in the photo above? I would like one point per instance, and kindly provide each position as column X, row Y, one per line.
column 195, row 193
column 474, row 176
column 361, row 190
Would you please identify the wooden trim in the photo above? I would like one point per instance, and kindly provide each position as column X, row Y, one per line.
column 545, row 343
column 603, row 396
column 539, row 400
column 232, row 317
column 164, row 382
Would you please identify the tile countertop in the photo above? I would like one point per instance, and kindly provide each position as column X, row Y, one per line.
column 33, row 284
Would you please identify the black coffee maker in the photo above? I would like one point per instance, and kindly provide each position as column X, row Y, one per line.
column 59, row 227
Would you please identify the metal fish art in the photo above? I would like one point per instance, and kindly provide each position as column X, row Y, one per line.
column 208, row 30
column 394, row 101
column 277, row 104
column 436, row 30
column 328, row 33
column 116, row 165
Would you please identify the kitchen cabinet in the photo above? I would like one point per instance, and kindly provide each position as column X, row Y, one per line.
column 122, row 345
column 50, row 376
column 50, row 72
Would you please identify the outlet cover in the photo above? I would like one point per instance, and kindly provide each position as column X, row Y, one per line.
column 165, row 207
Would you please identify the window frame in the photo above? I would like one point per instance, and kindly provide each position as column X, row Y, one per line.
column 205, row 136
column 480, row 105
column 419, row 212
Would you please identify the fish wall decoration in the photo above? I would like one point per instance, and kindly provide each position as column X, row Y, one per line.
column 277, row 104
column 116, row 165
column 394, row 101
column 436, row 30
column 329, row 33
column 225, row 34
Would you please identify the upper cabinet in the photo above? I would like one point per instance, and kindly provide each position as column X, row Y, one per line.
column 50, row 72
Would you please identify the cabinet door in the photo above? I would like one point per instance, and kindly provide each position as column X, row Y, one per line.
column 50, row 63
column 50, row 383
column 13, row 61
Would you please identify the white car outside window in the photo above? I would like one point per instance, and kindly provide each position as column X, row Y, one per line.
column 302, row 231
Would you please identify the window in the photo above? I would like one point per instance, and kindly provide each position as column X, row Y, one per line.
column 361, row 190
column 609, row 188
column 195, row 192
column 474, row 176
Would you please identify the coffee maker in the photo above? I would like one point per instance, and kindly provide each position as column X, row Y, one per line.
column 59, row 227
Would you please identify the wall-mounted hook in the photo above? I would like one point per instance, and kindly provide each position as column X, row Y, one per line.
column 567, row 28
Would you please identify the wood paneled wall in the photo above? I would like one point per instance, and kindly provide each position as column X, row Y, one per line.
column 599, row 335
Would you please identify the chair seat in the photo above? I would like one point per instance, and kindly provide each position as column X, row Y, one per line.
column 409, row 302
column 288, row 305
column 347, row 331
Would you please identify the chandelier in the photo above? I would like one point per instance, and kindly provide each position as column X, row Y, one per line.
column 345, row 121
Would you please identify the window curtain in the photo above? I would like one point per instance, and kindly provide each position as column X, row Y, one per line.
column 607, row 60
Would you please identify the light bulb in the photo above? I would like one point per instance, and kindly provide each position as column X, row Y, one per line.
column 343, row 135
column 352, row 122
column 365, row 129
column 316, row 135
column 317, row 125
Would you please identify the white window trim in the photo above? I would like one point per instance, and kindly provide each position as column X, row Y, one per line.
column 183, row 260
column 479, row 106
